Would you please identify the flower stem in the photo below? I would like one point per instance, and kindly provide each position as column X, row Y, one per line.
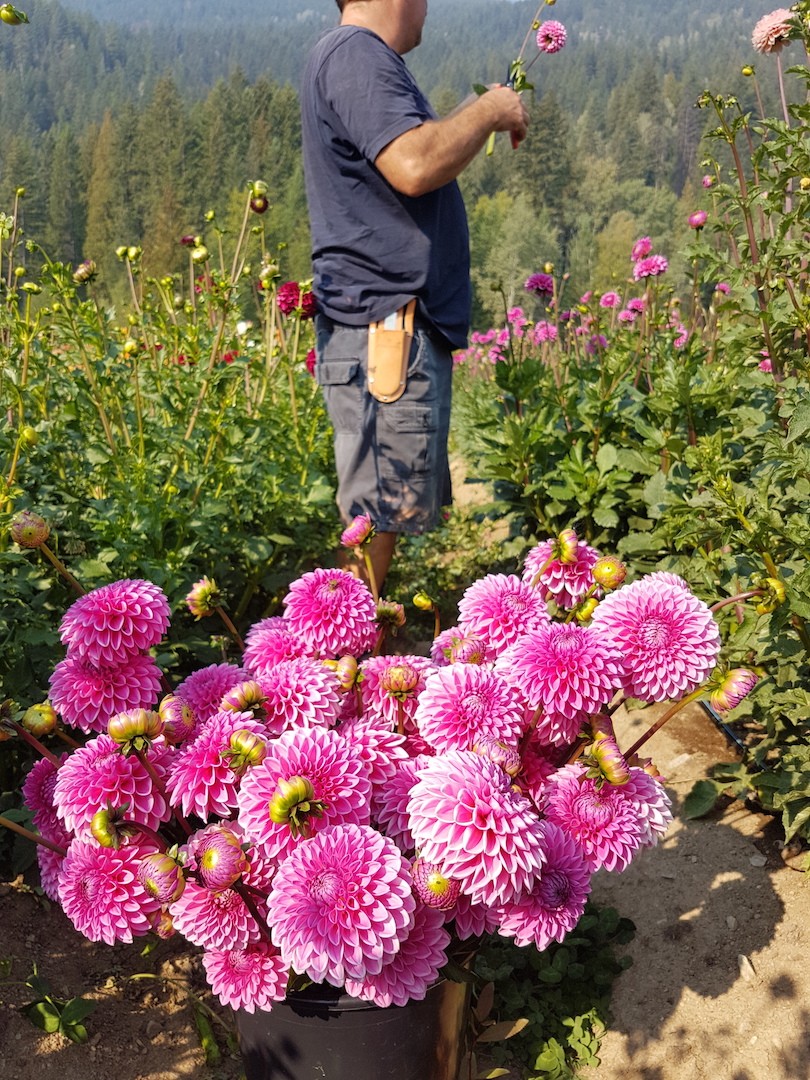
column 161, row 787
column 36, row 837
column 32, row 740
column 648, row 734
column 230, row 627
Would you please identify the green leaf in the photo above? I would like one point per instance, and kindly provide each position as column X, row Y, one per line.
column 43, row 1014
column 206, row 1036
column 606, row 458
column 702, row 798
column 77, row 1009
column 800, row 422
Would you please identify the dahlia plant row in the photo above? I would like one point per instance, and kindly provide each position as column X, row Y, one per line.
column 324, row 812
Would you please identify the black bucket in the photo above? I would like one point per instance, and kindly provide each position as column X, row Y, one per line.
column 321, row 1035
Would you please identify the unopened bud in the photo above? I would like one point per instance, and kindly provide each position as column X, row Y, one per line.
column 40, row 720
column 29, row 530
column 135, row 729
column 422, row 601
column 609, row 572
column 400, row 680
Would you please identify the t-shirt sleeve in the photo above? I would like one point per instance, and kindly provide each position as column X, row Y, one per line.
column 371, row 94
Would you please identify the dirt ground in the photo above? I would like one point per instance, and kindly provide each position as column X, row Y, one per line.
column 719, row 988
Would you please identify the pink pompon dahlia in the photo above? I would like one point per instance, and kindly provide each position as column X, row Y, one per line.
column 108, row 625
column 390, row 802
column 464, row 702
column 601, row 819
column 540, row 284
column 668, row 638
column 216, row 920
column 380, row 703
column 651, row 266
column 568, row 671
column 201, row 779
column 565, row 581
column 100, row 893
column 268, row 642
column 641, row 249
column 499, row 608
column 334, row 788
column 98, row 775
column 466, row 816
column 37, row 792
column 49, row 861
column 204, row 689
column 360, row 531
column 342, row 904
column 413, row 969
column 556, row 903
column 551, row 37
column 538, row 761
column 472, row 920
column 332, row 612
column 652, row 804
column 251, row 978
column 378, row 747
column 86, row 696
column 300, row 693
column 773, row 31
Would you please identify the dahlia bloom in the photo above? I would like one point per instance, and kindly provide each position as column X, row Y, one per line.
column 379, row 748
column 668, row 638
column 266, row 643
column 651, row 266
column 499, row 608
column 291, row 298
column 299, row 693
column 463, row 702
column 204, row 689
column 254, row 977
column 698, row 219
column 610, row 300
column 551, row 37
column 773, row 31
column 539, row 284
column 564, row 582
column 472, row 920
column 389, row 809
column 49, row 861
column 332, row 612
column 641, row 248
column 433, row 887
column 465, row 816
column 341, row 904
column 216, row 920
column 379, row 701
column 652, row 804
column 360, row 531
column 543, row 331
column 37, row 792
column 107, row 626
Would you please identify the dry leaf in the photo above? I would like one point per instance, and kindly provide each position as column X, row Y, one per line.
column 504, row 1030
column 485, row 1001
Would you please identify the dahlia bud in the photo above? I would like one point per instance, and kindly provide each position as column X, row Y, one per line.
column 40, row 720
column 390, row 615
column 585, row 610
column 698, row 219
column 258, row 187
column 11, row 15
column 161, row 875
column 422, row 601
column 29, row 530
column 400, row 680
column 609, row 572
column 178, row 719
column 728, row 690
column 199, row 253
column 190, row 241
column 346, row 671
column 108, row 829
column 804, row 183
column 135, row 729
column 29, row 437
column 121, row 251
column 85, row 272
column 245, row 748
column 467, row 650
column 218, row 857
column 293, row 803
column 246, row 696
column 506, row 756
column 775, row 594
column 204, row 598
column 359, row 532
column 259, row 204
column 747, row 70
column 610, row 760
column 162, row 924
column 432, row 887
column 134, row 253
column 565, row 546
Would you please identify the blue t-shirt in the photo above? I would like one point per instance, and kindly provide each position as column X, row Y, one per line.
column 373, row 248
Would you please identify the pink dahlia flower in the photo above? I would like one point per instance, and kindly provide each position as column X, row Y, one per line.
column 216, row 920
column 390, row 803
column 466, row 816
column 49, row 861
column 321, row 757
column 379, row 748
column 610, row 300
column 556, row 903
column 602, row 820
column 652, row 804
column 86, row 696
column 539, row 284
column 698, row 219
column 472, row 920
column 100, row 893
column 360, row 531
column 413, row 969
column 332, row 612
column 499, row 608
column 268, row 642
column 300, row 693
column 379, row 703
column 568, row 671
column 564, row 582
column 668, row 638
column 773, row 31
column 464, row 702
column 538, row 762
column 651, row 266
column 216, row 856
column 251, row 978
column 98, row 775
column 201, row 779
column 204, row 689
column 37, row 792
column 551, row 36
column 641, row 248
column 341, row 904
column 108, row 625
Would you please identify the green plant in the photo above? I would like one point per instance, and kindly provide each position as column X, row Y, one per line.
column 54, row 1014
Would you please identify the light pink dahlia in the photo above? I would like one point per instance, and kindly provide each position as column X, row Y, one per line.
column 342, row 904
column 204, row 689
column 267, row 643
column 216, row 920
column 652, row 804
column 377, row 746
column 568, row 671
column 602, row 820
column 641, row 249
column 389, row 808
column 499, row 608
column 98, row 775
column 551, row 36
column 319, row 756
column 773, row 31
column 564, row 582
column 668, row 638
column 466, row 816
column 86, row 696
column 538, row 762
column 472, row 920
column 200, row 778
column 300, row 693
column 332, row 612
column 651, row 266
column 251, row 978
column 100, row 893
column 379, row 703
column 413, row 969
column 108, row 625
column 464, row 702
column 556, row 903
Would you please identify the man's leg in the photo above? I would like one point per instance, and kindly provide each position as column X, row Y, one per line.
column 380, row 551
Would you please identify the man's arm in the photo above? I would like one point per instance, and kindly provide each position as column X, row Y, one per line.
column 433, row 154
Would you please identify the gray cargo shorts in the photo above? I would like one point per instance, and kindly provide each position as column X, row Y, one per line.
column 391, row 458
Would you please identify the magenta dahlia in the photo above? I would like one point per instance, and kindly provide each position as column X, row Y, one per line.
column 472, row 920
column 641, row 249
column 86, row 696
column 100, row 893
column 499, row 608
column 251, row 978
column 377, row 746
column 50, row 861
column 341, row 904
column 565, row 582
column 539, row 284
column 538, row 762
column 204, row 689
column 650, row 266
column 37, row 793
column 332, row 612
column 668, row 638
column 556, row 903
column 466, row 816
column 110, row 624
column 299, row 693
column 390, row 803
column 215, row 855
column 216, row 920
column 551, row 37
column 463, row 702
column 267, row 643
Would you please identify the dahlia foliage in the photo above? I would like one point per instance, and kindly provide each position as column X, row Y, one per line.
column 325, row 811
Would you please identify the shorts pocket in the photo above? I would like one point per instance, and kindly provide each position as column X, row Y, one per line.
column 407, row 436
column 341, row 382
column 337, row 372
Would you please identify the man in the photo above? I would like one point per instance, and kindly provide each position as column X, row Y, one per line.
column 389, row 226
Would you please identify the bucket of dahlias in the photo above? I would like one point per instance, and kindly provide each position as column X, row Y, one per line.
column 336, row 829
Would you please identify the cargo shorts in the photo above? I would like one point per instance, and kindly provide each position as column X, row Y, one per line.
column 391, row 458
